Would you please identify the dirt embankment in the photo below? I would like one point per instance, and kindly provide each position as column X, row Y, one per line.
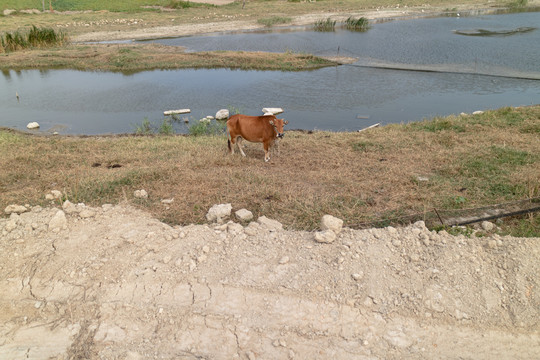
column 114, row 283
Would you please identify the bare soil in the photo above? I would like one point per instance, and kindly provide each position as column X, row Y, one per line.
column 115, row 283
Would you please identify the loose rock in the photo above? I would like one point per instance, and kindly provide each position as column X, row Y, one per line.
column 330, row 222
column 325, row 236
column 218, row 213
column 15, row 209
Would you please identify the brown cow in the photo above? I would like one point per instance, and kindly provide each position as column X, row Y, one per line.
column 266, row 129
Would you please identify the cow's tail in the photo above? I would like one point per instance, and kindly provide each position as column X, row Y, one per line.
column 228, row 136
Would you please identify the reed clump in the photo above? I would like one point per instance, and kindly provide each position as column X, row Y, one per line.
column 35, row 38
column 325, row 25
column 361, row 24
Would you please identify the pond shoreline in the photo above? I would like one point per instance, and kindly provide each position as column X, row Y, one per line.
column 375, row 16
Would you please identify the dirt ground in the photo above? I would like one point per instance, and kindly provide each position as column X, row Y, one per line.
column 114, row 283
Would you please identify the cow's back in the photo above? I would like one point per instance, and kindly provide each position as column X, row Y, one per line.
column 251, row 128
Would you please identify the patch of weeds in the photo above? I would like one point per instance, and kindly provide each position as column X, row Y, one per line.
column 145, row 128
column 36, row 37
column 166, row 127
column 533, row 128
column 455, row 230
column 438, row 124
column 181, row 4
column 274, row 20
column 233, row 110
column 518, row 4
column 361, row 24
column 325, row 25
column 365, row 146
column 207, row 127
column 523, row 226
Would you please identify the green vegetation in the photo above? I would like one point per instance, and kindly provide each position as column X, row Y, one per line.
column 361, row 24
column 325, row 25
column 34, row 38
column 207, row 127
column 274, row 20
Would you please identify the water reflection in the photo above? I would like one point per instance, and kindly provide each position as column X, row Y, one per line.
column 377, row 89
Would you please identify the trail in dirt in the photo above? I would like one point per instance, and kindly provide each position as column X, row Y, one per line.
column 113, row 282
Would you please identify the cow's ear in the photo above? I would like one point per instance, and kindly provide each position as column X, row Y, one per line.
column 271, row 122
column 285, row 122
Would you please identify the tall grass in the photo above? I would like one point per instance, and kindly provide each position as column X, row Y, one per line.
column 35, row 38
column 361, row 24
column 325, row 25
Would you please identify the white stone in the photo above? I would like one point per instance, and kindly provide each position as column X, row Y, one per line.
column 179, row 111
column 218, row 213
column 56, row 194
column 58, row 221
column 284, row 260
column 325, row 236
column 358, row 276
column 329, row 222
column 244, row 215
column 272, row 111
column 87, row 213
column 269, row 223
column 16, row 209
column 32, row 125
column 479, row 112
column 487, row 226
column 167, row 201
column 141, row 194
column 222, row 114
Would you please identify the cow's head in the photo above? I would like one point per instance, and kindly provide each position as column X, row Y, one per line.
column 278, row 125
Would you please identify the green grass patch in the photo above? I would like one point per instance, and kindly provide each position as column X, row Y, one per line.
column 438, row 124
column 274, row 20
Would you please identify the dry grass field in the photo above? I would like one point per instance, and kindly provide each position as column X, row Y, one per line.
column 376, row 175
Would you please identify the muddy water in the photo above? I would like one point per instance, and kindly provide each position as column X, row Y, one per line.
column 442, row 72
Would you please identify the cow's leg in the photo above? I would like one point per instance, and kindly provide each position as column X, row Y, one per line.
column 239, row 143
column 266, row 152
column 231, row 144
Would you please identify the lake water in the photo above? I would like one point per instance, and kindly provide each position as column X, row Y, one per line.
column 463, row 74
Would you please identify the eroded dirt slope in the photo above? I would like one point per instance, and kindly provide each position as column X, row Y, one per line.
column 114, row 283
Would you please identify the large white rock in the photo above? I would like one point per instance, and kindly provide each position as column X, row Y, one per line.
column 330, row 222
column 272, row 111
column 32, row 125
column 222, row 114
column 17, row 209
column 219, row 212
